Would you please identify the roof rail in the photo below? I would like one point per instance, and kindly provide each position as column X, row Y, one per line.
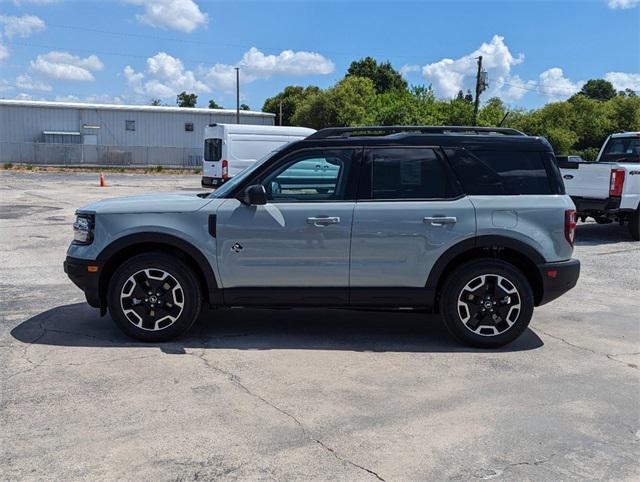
column 345, row 132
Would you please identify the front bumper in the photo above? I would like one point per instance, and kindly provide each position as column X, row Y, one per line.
column 212, row 182
column 85, row 278
column 558, row 278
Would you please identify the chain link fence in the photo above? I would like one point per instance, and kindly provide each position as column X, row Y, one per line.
column 83, row 155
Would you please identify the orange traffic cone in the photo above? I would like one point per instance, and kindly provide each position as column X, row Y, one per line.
column 103, row 182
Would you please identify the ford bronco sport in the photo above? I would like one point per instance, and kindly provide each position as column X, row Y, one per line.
column 472, row 223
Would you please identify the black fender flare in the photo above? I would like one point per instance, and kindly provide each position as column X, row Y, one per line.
column 486, row 241
column 214, row 294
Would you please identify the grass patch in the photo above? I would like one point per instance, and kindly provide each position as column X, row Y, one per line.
column 7, row 165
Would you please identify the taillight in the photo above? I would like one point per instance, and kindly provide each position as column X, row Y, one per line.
column 225, row 169
column 616, row 182
column 570, row 222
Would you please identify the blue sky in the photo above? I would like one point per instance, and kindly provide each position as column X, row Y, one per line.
column 130, row 51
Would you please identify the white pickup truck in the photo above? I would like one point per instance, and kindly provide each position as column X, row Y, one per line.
column 608, row 189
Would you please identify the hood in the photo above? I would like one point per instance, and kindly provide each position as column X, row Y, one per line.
column 167, row 202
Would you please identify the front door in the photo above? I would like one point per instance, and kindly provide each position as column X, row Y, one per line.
column 295, row 249
column 411, row 211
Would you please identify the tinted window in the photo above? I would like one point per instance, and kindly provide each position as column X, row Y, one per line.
column 212, row 149
column 313, row 176
column 521, row 172
column 627, row 148
column 475, row 176
column 410, row 174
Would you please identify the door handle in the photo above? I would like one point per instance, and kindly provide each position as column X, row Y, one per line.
column 568, row 176
column 440, row 220
column 323, row 221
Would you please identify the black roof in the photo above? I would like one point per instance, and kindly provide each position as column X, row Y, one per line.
column 495, row 138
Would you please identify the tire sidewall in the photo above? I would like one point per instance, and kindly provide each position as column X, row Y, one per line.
column 634, row 225
column 464, row 274
column 177, row 269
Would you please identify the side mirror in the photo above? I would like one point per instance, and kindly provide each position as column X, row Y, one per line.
column 254, row 195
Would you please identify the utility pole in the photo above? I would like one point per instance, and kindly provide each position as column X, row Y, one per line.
column 280, row 116
column 237, row 95
column 481, row 85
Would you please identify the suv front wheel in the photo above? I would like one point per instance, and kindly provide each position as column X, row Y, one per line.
column 487, row 303
column 154, row 297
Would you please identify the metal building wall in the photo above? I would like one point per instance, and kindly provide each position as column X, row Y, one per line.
column 22, row 123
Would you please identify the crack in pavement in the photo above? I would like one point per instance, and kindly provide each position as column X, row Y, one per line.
column 499, row 471
column 237, row 382
column 610, row 356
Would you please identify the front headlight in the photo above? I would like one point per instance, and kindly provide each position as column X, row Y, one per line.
column 83, row 229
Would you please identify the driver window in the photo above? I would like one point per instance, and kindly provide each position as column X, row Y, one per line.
column 312, row 176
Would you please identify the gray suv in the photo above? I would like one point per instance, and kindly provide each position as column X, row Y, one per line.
column 472, row 223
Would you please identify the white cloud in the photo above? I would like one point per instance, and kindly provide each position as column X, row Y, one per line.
column 256, row 65
column 25, row 82
column 555, row 86
column 183, row 15
column 65, row 66
column 408, row 68
column 622, row 80
column 167, row 75
column 21, row 26
column 90, row 99
column 448, row 76
column 170, row 79
column 622, row 4
column 35, row 2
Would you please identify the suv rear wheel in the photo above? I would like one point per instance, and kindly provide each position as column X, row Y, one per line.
column 154, row 297
column 487, row 303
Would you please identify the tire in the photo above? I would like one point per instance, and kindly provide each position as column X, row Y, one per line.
column 634, row 225
column 511, row 302
column 170, row 310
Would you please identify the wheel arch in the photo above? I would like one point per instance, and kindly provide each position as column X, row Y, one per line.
column 124, row 248
column 521, row 255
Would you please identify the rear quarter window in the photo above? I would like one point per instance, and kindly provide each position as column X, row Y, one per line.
column 502, row 172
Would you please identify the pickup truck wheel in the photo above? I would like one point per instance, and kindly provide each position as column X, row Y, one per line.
column 634, row 225
column 154, row 297
column 603, row 220
column 487, row 303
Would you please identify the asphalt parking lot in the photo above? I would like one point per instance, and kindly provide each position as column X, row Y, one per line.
column 301, row 394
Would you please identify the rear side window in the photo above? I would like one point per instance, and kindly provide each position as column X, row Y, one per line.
column 212, row 149
column 521, row 172
column 410, row 173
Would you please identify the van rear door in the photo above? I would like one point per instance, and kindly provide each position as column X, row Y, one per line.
column 212, row 167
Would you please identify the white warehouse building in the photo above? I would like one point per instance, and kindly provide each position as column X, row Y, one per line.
column 64, row 133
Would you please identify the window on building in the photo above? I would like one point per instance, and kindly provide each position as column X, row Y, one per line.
column 130, row 125
column 188, row 126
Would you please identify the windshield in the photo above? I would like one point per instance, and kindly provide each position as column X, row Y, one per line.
column 622, row 148
column 230, row 185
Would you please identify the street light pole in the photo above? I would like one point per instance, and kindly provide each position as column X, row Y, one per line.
column 237, row 95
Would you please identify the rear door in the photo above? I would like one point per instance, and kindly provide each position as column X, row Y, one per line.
column 410, row 210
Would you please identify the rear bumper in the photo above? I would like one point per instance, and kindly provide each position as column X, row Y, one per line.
column 558, row 278
column 78, row 272
column 212, row 182
column 590, row 205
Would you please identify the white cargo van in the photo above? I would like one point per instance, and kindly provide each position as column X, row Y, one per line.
column 231, row 148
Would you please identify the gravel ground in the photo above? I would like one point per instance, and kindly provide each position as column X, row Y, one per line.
column 304, row 394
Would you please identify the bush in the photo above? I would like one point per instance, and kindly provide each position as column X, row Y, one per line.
column 7, row 165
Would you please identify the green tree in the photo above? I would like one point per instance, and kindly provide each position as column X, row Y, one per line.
column 491, row 113
column 244, row 107
column 291, row 97
column 186, row 100
column 348, row 103
column 384, row 77
column 155, row 102
column 598, row 89
column 214, row 105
